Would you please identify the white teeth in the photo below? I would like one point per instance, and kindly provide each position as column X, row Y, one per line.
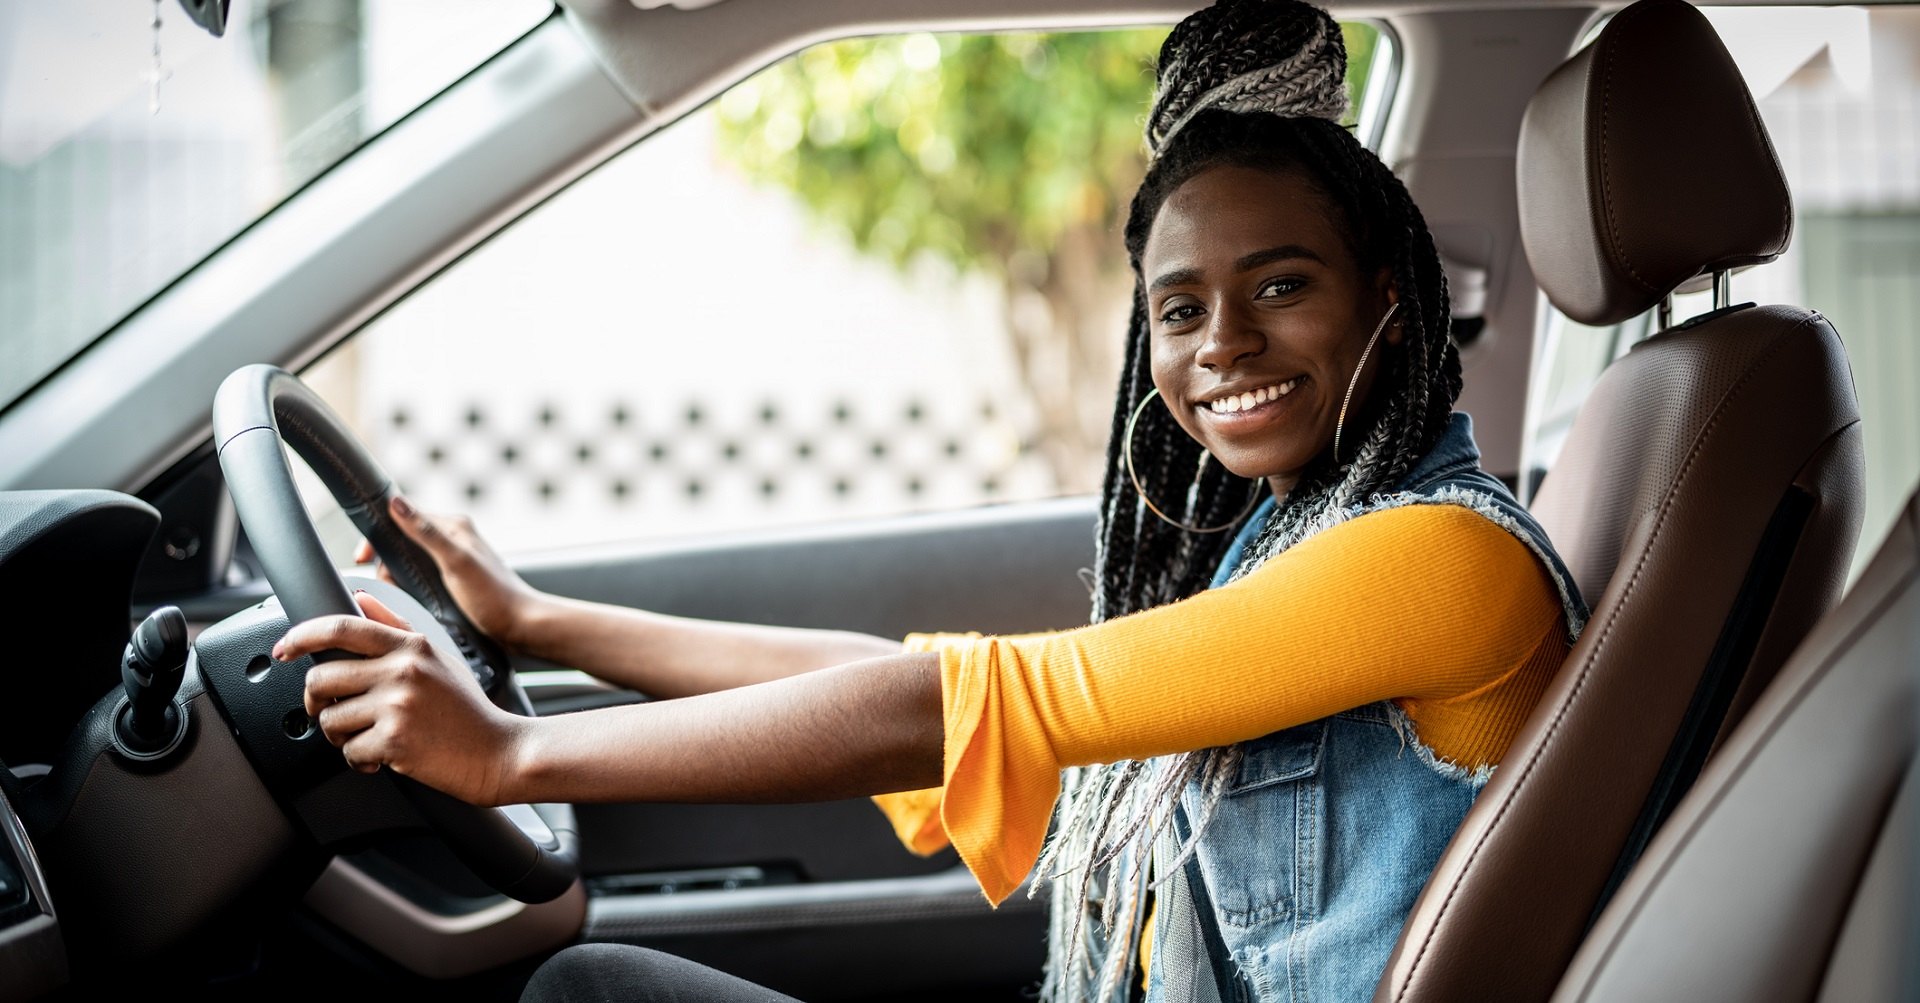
column 1252, row 398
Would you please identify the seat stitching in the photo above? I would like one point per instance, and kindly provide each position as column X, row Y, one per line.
column 333, row 459
column 1773, row 156
column 1606, row 632
column 1606, row 175
column 1739, row 768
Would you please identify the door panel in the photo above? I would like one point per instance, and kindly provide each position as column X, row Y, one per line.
column 829, row 841
column 923, row 939
column 806, row 897
column 996, row 569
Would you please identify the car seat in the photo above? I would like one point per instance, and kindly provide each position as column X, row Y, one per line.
column 1788, row 872
column 1706, row 501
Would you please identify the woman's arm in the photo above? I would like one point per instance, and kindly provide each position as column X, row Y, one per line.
column 670, row 656
column 660, row 655
column 868, row 727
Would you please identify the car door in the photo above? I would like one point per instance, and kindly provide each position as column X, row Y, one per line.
column 803, row 897
column 800, row 896
column 760, row 420
column 678, row 385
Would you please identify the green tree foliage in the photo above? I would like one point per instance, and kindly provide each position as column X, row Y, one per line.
column 1009, row 155
column 970, row 147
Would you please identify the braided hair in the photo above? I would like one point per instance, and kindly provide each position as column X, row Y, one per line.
column 1257, row 84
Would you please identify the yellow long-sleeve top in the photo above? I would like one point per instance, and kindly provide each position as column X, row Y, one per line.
column 1431, row 606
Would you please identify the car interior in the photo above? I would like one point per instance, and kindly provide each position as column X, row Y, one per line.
column 1713, row 800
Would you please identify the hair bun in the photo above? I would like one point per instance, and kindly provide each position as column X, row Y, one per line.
column 1275, row 57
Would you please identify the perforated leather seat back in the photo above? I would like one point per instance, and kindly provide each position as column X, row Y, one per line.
column 1707, row 502
column 1788, row 872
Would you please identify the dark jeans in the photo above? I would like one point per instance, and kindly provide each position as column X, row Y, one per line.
column 606, row 972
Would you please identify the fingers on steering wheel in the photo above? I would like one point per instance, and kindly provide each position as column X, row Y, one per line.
column 356, row 635
column 340, row 722
column 331, row 681
column 364, row 554
column 380, row 612
column 363, row 752
column 417, row 525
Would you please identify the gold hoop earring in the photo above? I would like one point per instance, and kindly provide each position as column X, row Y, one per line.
column 1126, row 449
column 1341, row 423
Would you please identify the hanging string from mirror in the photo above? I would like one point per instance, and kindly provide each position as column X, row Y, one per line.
column 159, row 71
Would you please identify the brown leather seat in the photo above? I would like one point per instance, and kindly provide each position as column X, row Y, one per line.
column 1707, row 499
column 1788, row 871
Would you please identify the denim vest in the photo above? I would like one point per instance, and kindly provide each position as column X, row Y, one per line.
column 1305, row 875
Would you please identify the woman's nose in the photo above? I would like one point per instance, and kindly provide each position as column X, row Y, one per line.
column 1230, row 338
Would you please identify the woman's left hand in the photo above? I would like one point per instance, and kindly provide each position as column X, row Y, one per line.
column 404, row 705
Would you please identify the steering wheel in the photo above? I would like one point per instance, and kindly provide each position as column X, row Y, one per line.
column 527, row 852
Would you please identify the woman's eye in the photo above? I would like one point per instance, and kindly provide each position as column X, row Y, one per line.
column 1179, row 313
column 1277, row 287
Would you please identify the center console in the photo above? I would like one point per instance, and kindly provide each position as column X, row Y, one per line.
column 33, row 959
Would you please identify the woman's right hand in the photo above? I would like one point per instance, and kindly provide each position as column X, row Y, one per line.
column 497, row 600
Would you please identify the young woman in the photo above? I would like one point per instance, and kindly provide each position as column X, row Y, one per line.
column 1318, row 622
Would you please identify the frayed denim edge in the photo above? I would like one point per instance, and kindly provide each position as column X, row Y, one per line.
column 1482, row 504
column 1475, row 777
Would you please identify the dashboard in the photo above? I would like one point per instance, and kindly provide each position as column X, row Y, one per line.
column 33, row 958
column 67, row 565
column 142, row 851
column 67, row 562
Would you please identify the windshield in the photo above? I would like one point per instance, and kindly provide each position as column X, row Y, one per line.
column 133, row 142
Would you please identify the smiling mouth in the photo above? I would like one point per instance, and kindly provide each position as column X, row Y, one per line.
column 1236, row 403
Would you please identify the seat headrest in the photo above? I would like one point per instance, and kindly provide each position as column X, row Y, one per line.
column 1643, row 163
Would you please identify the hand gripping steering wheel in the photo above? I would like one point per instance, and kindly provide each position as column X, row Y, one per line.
column 257, row 408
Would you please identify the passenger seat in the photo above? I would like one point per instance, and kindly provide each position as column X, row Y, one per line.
column 1707, row 499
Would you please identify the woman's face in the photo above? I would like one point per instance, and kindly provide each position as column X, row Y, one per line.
column 1251, row 289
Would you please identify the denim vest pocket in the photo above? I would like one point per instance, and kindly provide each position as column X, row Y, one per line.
column 1260, row 857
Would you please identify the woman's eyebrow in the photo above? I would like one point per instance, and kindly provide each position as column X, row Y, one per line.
column 1272, row 254
column 1248, row 262
column 1177, row 277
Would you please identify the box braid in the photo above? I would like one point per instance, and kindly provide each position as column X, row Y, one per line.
column 1144, row 562
column 1260, row 84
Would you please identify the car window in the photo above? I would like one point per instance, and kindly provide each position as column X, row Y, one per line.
column 1839, row 90
column 884, row 275
column 133, row 142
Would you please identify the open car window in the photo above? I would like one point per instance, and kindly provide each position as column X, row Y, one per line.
column 133, row 142
column 884, row 275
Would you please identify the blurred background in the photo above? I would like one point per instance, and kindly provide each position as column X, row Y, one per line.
column 883, row 275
